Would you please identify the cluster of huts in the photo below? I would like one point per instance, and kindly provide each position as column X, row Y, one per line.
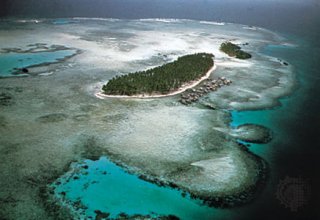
column 193, row 95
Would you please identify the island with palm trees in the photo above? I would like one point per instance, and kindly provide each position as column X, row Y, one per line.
column 234, row 50
column 168, row 79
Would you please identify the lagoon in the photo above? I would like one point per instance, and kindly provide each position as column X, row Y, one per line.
column 11, row 62
column 104, row 186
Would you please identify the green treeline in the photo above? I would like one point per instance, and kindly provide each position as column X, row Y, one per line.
column 163, row 79
column 234, row 50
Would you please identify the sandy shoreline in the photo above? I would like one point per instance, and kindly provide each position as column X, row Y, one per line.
column 183, row 88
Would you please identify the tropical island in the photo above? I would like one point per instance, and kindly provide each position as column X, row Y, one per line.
column 164, row 79
column 234, row 50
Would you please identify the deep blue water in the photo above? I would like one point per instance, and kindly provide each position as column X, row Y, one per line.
column 294, row 150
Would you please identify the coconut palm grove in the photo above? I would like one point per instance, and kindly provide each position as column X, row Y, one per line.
column 162, row 79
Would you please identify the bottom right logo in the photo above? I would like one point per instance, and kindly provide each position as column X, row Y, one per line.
column 293, row 192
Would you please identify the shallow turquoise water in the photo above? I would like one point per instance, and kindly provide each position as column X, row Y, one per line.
column 265, row 117
column 293, row 151
column 10, row 61
column 262, row 117
column 117, row 191
column 106, row 187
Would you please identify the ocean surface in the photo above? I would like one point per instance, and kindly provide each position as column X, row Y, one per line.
column 294, row 150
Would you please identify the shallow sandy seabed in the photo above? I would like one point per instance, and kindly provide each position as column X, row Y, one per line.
column 51, row 120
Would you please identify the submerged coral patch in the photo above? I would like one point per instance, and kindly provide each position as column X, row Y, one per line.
column 16, row 61
column 55, row 117
column 252, row 133
column 100, row 189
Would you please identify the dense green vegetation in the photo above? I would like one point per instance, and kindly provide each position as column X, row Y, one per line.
column 163, row 79
column 234, row 50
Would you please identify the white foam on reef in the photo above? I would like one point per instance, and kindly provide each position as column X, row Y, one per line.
column 219, row 168
column 250, row 28
column 96, row 19
column 234, row 63
column 164, row 20
column 160, row 135
column 36, row 21
column 212, row 22
column 46, row 74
